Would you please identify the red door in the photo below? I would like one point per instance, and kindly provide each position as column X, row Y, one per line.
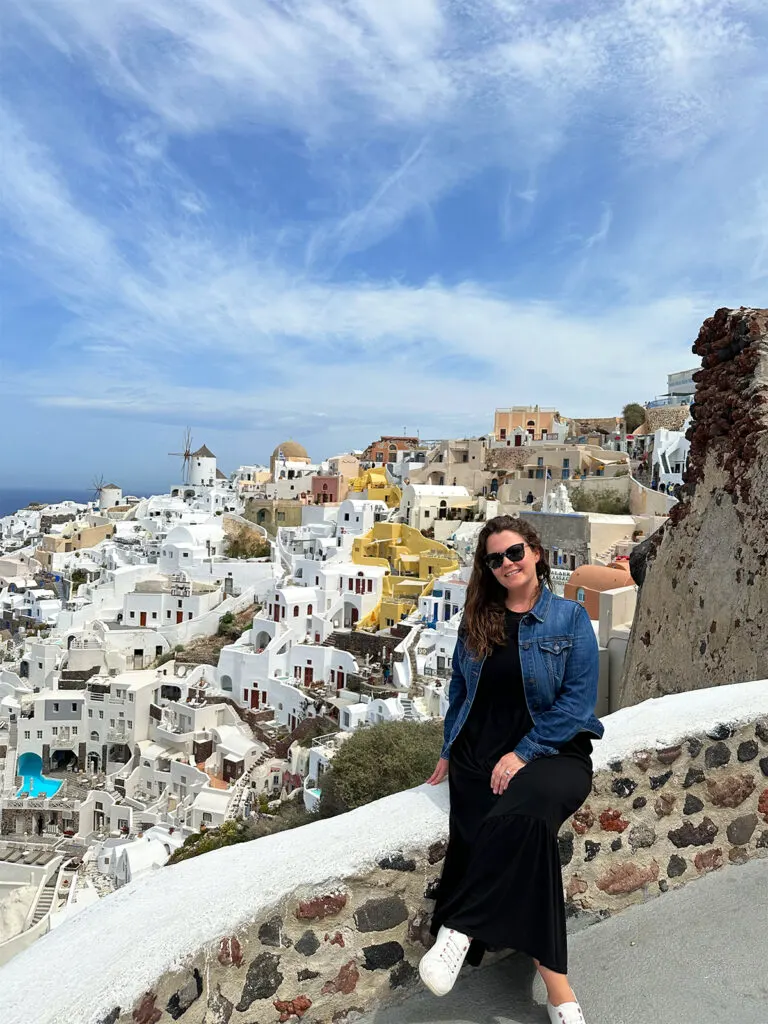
column 308, row 674
column 179, row 617
column 142, row 618
column 277, row 613
column 254, row 698
column 355, row 615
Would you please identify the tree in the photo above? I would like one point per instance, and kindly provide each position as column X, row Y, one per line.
column 634, row 416
column 246, row 543
column 378, row 762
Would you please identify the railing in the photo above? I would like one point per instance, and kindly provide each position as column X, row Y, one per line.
column 118, row 736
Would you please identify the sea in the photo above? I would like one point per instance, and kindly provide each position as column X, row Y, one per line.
column 13, row 499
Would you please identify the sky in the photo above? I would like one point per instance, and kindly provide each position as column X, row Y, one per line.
column 331, row 219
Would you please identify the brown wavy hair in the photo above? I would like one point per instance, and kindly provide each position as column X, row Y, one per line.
column 483, row 623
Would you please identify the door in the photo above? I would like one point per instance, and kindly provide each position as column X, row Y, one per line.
column 254, row 698
column 308, row 674
column 142, row 618
column 277, row 612
column 179, row 617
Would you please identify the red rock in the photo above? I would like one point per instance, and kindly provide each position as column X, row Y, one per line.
column 288, row 1008
column 321, row 906
column 612, row 821
column 762, row 805
column 708, row 860
column 626, row 878
column 146, row 1012
column 337, row 940
column 345, row 981
column 576, row 887
column 669, row 754
column 731, row 792
column 583, row 820
column 230, row 952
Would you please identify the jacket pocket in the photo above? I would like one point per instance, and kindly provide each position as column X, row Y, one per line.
column 555, row 650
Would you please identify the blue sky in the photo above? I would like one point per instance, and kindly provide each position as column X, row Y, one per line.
column 328, row 219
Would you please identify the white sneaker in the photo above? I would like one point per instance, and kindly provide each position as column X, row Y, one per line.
column 439, row 967
column 565, row 1013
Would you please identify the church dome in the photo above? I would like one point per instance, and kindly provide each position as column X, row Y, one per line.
column 292, row 450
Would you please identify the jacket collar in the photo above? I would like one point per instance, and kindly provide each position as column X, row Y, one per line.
column 540, row 609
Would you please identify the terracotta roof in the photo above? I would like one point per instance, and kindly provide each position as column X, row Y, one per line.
column 599, row 577
column 203, row 453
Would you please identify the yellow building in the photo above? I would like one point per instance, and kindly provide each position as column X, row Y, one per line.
column 372, row 485
column 525, row 419
column 414, row 563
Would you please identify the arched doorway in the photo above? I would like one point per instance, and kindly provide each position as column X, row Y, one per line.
column 63, row 760
column 225, row 682
column 94, row 762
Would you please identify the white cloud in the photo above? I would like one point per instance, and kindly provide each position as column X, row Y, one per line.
column 416, row 97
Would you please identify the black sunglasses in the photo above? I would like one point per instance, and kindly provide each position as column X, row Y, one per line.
column 515, row 553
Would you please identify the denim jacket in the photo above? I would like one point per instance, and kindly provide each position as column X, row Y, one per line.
column 559, row 661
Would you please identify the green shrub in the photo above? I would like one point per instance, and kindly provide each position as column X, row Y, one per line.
column 290, row 815
column 378, row 762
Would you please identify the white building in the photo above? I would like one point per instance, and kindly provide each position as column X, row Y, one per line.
column 190, row 545
column 422, row 505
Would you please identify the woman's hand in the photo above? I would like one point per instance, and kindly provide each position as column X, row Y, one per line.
column 506, row 769
column 440, row 772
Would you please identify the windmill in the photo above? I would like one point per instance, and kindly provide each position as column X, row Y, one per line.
column 98, row 487
column 186, row 454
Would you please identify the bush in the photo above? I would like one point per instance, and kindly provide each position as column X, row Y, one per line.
column 228, row 627
column 247, row 543
column 290, row 815
column 378, row 762
column 634, row 416
column 78, row 576
column 608, row 502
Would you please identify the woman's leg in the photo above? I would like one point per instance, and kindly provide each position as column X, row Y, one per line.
column 558, row 989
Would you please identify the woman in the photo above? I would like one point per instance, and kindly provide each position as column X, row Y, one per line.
column 517, row 756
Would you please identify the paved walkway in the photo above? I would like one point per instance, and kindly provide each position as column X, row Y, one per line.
column 694, row 956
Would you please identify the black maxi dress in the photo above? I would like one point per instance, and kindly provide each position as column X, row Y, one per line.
column 502, row 881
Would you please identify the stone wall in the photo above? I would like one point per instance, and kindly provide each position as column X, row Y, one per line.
column 660, row 818
column 322, row 922
column 710, row 569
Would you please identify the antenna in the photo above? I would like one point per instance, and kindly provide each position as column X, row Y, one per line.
column 186, row 454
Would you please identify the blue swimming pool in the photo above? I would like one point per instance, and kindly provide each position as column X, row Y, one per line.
column 33, row 781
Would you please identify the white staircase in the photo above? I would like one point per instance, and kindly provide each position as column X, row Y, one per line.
column 44, row 900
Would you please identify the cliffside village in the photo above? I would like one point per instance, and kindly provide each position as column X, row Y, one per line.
column 165, row 662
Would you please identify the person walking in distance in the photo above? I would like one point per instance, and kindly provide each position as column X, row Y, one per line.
column 517, row 755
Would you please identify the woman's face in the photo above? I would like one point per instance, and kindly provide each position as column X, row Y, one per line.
column 517, row 577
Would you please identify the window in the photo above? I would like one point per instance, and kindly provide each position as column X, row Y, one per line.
column 101, row 714
column 566, row 463
column 580, row 595
column 74, row 730
column 154, row 615
column 130, row 724
column 185, row 554
column 111, row 723
column 90, row 712
column 158, row 652
column 309, row 609
column 503, row 434
column 55, row 707
column 540, row 460
column 133, row 615
column 180, row 604
column 207, row 816
column 346, row 517
column 189, row 615
column 168, row 614
column 55, row 730
column 295, row 611
column 74, row 707
column 426, row 513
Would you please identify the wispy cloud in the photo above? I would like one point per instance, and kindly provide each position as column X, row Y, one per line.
column 265, row 211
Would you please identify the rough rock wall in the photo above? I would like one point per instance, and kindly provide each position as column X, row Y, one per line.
column 702, row 611
column 656, row 820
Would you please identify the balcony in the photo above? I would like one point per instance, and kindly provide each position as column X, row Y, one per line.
column 118, row 736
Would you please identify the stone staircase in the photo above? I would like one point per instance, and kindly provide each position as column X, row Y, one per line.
column 409, row 712
column 44, row 900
